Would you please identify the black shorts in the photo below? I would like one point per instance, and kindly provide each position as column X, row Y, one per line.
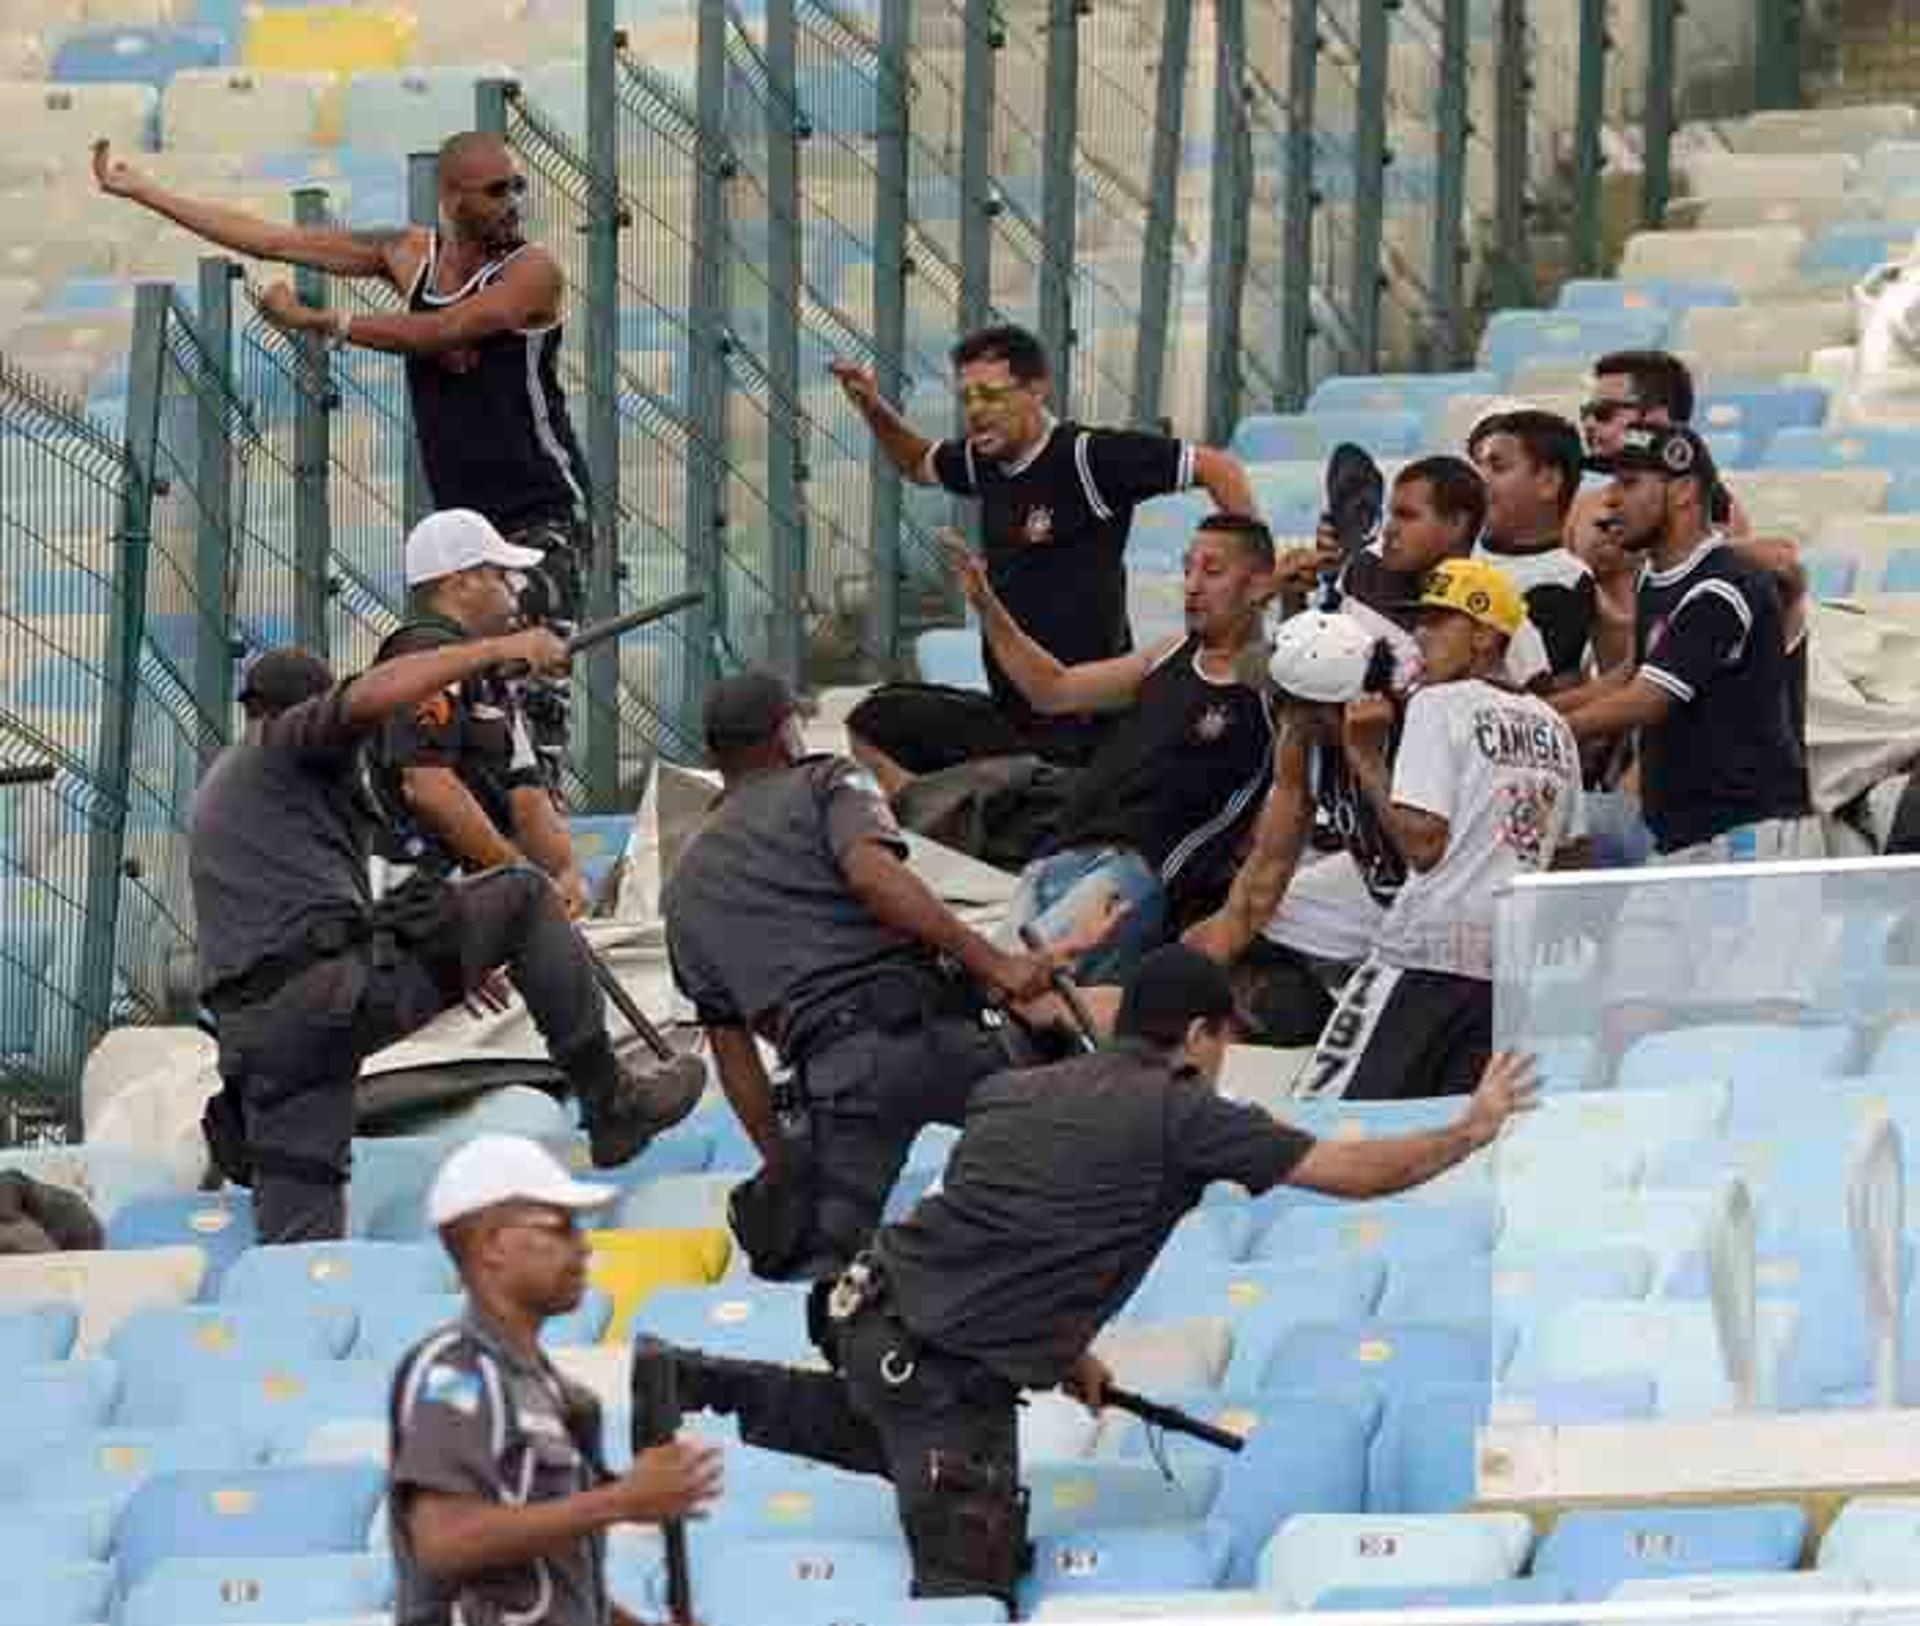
column 928, row 727
column 1279, row 996
column 1397, row 1035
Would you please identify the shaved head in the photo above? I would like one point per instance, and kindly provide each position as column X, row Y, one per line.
column 480, row 191
column 470, row 151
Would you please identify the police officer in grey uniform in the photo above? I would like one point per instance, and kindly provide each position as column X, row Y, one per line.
column 499, row 1498
column 306, row 977
column 1065, row 1183
column 792, row 917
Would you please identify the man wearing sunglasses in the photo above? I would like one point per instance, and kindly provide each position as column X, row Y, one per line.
column 1057, row 503
column 481, row 335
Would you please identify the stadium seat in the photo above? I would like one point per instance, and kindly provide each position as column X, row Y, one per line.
column 388, row 1328
column 1847, row 252
column 37, row 1333
column 1805, row 173
column 1798, row 503
column 1761, row 413
column 407, row 110
column 1518, row 1286
column 1660, row 294
column 1832, row 1358
column 692, row 1203
column 1750, row 1055
column 1396, row 392
column 58, row 1396
column 343, row 1273
column 36, row 1539
column 258, row 1512
column 1877, row 1539
column 763, row 1321
column 57, row 121
column 1088, row 1562
column 630, row 1265
column 1387, row 1230
column 134, row 56
column 218, row 1223
column 1381, row 1357
column 1067, row 1496
column 162, row 1352
column 255, row 1588
column 105, row 1288
column 1894, row 449
column 951, row 655
column 1756, row 261
column 103, row 1468
column 1593, row 1547
column 1315, row 1553
column 281, row 1402
column 387, row 1194
column 1516, row 337
column 770, row 1496
column 236, row 109
column 802, row 1581
column 1260, row 1302
column 1676, row 1345
column 1760, row 342
column 54, row 1593
column 1191, row 1354
column 1275, row 437
column 1524, row 1591
column 1162, row 528
column 106, row 1176
column 327, row 38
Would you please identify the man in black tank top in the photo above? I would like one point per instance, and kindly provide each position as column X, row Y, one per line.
column 1156, row 819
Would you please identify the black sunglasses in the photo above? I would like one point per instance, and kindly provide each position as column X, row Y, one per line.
column 513, row 186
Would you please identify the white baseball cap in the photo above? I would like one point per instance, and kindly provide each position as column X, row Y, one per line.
column 1322, row 657
column 493, row 1169
column 458, row 539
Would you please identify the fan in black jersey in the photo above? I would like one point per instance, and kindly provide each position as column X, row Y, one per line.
column 481, row 336
column 1057, row 502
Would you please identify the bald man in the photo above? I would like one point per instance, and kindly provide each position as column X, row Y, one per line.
column 480, row 334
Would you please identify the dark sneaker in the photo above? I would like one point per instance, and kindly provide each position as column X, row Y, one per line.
column 648, row 1096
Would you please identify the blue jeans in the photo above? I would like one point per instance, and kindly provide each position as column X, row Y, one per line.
column 1056, row 894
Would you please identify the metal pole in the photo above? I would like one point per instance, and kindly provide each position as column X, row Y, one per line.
column 1778, row 56
column 423, row 209
column 1371, row 159
column 1511, row 146
column 1589, row 112
column 213, row 554
column 1232, row 199
column 707, row 364
column 985, row 40
column 1059, row 205
column 889, row 313
column 1163, row 212
column 1447, row 338
column 1301, row 199
column 313, row 451
column 1663, row 20
column 786, row 451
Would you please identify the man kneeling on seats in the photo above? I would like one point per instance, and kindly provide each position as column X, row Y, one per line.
column 1064, row 1185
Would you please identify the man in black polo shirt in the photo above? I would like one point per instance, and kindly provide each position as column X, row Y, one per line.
column 1066, row 1182
column 1057, row 503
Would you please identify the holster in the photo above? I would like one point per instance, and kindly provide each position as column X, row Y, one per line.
column 969, row 1530
column 771, row 1217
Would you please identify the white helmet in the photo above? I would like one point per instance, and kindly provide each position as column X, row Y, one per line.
column 1322, row 657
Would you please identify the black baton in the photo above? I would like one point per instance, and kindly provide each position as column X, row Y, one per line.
column 627, row 1005
column 1171, row 1418
column 28, row 773
column 615, row 626
column 1063, row 986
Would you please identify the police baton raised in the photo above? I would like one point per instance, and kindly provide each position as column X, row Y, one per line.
column 618, row 626
column 27, row 773
column 655, row 1419
column 1063, row 986
column 1170, row 1418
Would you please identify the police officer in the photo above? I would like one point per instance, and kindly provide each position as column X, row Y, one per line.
column 499, row 1498
column 1065, row 1184
column 792, row 918
column 307, row 978
column 457, row 777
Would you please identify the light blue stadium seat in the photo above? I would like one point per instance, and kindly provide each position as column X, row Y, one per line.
column 1177, row 1558
column 256, row 1512
column 337, row 1272
column 102, row 1469
column 1260, row 1301
column 218, row 1223
column 1364, row 1120
column 188, row 1591
column 1291, row 493
column 1385, row 1357
column 1069, row 1495
column 772, row 1496
column 1829, row 576
column 1668, row 294
column 1397, row 392
column 132, row 54
column 1854, row 247
column 1515, row 1286
column 1265, row 437
column 107, row 1176
column 1761, row 413
column 1387, row 1230
column 387, row 1194
column 951, row 655
column 1902, row 573
column 1516, row 338
column 1797, row 1175
column 58, row 1397
column 164, row 1352
column 1162, row 528
column 389, row 1327
column 1747, row 1054
column 1604, row 1546
column 403, row 110
column 39, row 1539
column 803, row 1581
column 1575, row 1400
column 36, row 1334
column 1674, row 1344
column 1315, row 1554
column 57, row 1594
column 1877, row 1539
column 1895, row 449
column 765, row 1321
column 599, row 841
column 281, row 1403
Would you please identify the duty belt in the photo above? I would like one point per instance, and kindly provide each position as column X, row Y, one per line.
column 265, row 978
column 860, row 1288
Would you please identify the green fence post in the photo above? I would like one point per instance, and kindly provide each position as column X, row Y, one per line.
column 1163, row 212
column 211, row 676
column 423, row 209
column 112, row 767
column 1301, row 200
column 1231, row 201
column 707, row 361
column 890, row 269
column 1663, row 21
column 786, row 451
column 1446, row 340
column 1513, row 82
column 1589, row 114
column 986, row 38
column 1059, row 200
column 1371, row 158
column 313, row 450
column 1780, row 28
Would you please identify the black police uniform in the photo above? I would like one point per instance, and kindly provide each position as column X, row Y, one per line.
column 307, row 978
column 479, row 730
column 471, row 1415
column 764, row 933
column 1066, row 1182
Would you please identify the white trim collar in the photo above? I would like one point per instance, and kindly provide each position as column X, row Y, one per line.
column 1666, row 578
column 1049, row 423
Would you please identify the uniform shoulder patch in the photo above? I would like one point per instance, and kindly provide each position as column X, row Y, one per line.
column 455, row 1387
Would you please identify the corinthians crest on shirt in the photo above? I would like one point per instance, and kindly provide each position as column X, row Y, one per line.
column 1210, row 726
column 1038, row 528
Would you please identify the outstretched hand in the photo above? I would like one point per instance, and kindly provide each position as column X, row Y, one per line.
column 115, row 176
column 1509, row 1086
column 862, row 387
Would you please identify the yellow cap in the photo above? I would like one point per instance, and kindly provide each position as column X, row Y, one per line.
column 1475, row 588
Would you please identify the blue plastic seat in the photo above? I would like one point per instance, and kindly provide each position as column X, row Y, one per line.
column 1895, row 449
column 803, row 1581
column 218, row 1223
column 1747, row 1053
column 765, row 1321
column 1260, row 1301
column 337, row 1272
column 258, row 1512
column 1397, row 392
column 1525, row 1591
column 58, row 1397
column 1902, row 573
column 951, row 655
column 1315, row 1554
column 1877, row 1539
column 37, row 1333
column 1175, row 1558
column 164, row 1352
column 1388, row 1230
column 56, row 1594
column 35, row 1540
column 1604, row 1546
column 107, row 1176
column 387, row 1194
column 103, row 1469
column 1760, row 413
column 187, row 1591
column 1516, row 338
column 1830, row 575
column 282, row 1402
column 1852, row 248
column 1384, row 1357
column 132, row 54
column 389, row 1327
column 775, row 1497
column 1669, row 294
column 1267, row 437
column 1070, row 1495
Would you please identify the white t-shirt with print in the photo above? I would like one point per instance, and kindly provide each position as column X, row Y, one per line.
column 1503, row 770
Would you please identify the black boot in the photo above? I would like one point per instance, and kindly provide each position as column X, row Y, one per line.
column 626, row 1102
column 670, row 1380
